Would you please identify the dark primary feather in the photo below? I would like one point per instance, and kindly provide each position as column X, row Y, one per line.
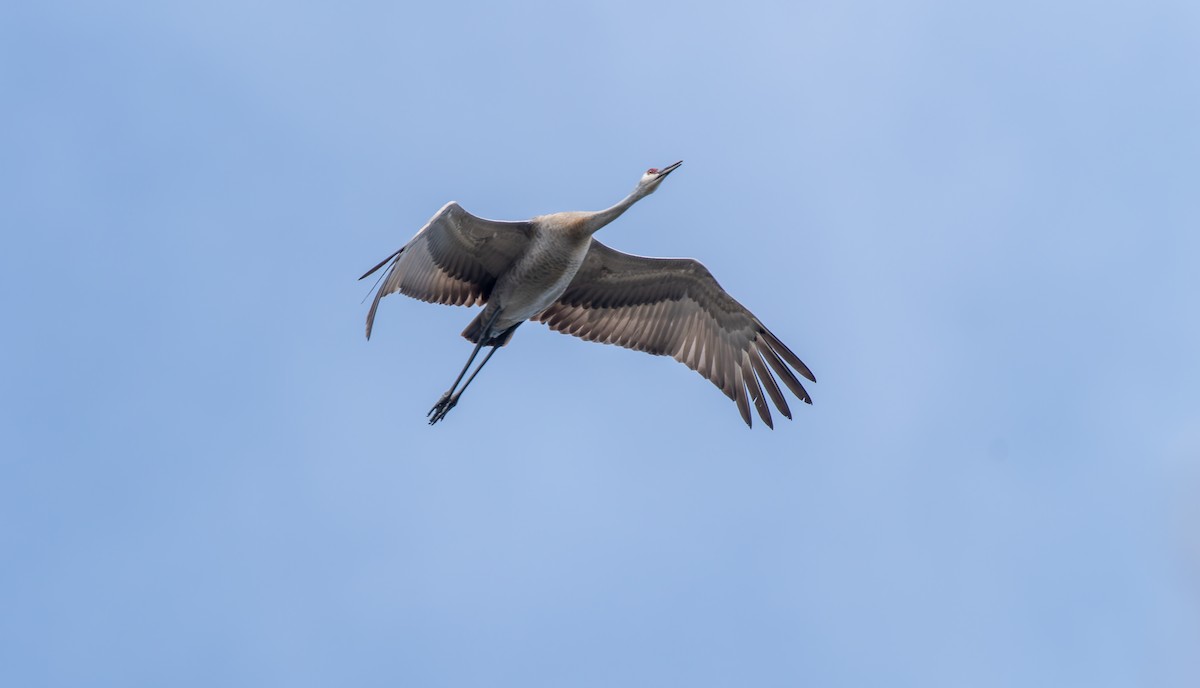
column 674, row 307
column 455, row 259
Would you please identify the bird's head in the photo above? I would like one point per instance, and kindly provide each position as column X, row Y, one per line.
column 654, row 176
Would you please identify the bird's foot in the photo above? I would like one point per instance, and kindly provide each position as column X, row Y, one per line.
column 440, row 404
column 442, row 407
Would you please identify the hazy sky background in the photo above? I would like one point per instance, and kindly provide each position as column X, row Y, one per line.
column 976, row 222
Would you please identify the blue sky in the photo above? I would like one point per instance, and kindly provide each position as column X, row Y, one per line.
column 976, row 222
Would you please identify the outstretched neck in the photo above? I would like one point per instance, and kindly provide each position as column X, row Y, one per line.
column 603, row 217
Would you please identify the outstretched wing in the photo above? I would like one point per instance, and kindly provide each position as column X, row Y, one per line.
column 674, row 307
column 455, row 259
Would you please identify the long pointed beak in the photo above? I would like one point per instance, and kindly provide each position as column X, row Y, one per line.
column 669, row 169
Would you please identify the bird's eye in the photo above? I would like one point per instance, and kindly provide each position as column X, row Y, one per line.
column 652, row 170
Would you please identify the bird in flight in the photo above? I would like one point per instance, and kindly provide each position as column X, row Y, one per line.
column 550, row 269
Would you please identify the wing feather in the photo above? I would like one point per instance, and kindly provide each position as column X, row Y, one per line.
column 674, row 307
column 455, row 259
column 740, row 391
column 756, row 393
column 769, row 384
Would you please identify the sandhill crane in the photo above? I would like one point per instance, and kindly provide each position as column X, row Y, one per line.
column 549, row 268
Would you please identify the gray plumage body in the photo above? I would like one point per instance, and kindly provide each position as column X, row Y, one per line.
column 551, row 269
column 558, row 244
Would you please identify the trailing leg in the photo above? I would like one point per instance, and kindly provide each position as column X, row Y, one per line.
column 440, row 407
column 448, row 402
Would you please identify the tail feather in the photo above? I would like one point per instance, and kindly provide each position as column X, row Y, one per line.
column 475, row 331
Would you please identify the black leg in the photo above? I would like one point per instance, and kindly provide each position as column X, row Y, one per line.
column 441, row 403
column 481, row 365
column 444, row 408
column 444, row 404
